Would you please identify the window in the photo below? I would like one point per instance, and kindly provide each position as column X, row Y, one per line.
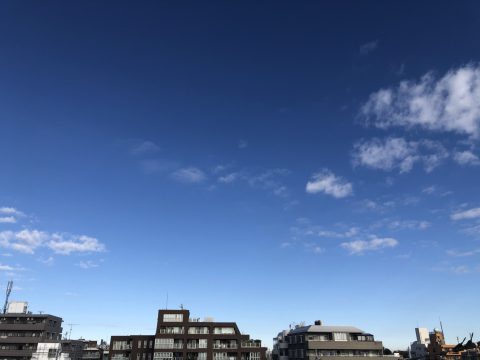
column 163, row 343
column 163, row 355
column 172, row 317
column 139, row 344
column 198, row 330
column 224, row 330
column 202, row 343
column 340, row 336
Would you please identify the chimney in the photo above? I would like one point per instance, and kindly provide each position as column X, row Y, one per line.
column 318, row 322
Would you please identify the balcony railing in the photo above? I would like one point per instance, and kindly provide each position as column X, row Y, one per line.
column 225, row 346
column 250, row 344
column 196, row 346
column 122, row 347
column 171, row 331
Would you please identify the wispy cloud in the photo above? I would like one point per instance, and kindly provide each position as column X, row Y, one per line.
column 466, row 214
column 357, row 247
column 242, row 144
column 456, row 253
column 270, row 179
column 466, row 158
column 368, row 47
column 145, row 147
column 398, row 154
column 409, row 224
column 10, row 268
column 28, row 241
column 449, row 103
column 88, row 264
column 328, row 183
column 189, row 175
column 9, row 215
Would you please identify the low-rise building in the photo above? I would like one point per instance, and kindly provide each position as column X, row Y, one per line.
column 23, row 334
column 178, row 337
column 317, row 342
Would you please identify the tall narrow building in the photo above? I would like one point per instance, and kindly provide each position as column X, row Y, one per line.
column 178, row 337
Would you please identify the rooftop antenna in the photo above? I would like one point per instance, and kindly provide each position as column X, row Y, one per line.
column 7, row 295
column 70, row 331
column 441, row 328
column 166, row 303
column 181, row 306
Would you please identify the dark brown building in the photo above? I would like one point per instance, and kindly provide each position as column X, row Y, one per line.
column 20, row 334
column 180, row 338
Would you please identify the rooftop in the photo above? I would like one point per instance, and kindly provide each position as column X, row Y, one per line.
column 325, row 329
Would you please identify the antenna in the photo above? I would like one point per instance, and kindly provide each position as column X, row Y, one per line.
column 70, row 332
column 166, row 303
column 181, row 306
column 441, row 327
column 7, row 295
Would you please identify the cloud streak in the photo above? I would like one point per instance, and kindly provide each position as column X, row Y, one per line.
column 358, row 247
column 398, row 154
column 28, row 241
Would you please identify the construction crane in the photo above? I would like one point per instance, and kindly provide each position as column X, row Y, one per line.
column 7, row 295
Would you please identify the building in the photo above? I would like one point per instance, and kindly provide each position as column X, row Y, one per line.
column 419, row 348
column 320, row 342
column 178, row 337
column 24, row 335
column 280, row 346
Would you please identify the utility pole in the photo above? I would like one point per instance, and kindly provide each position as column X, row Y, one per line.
column 70, row 331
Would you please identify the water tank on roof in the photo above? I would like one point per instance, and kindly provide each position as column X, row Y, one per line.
column 17, row 307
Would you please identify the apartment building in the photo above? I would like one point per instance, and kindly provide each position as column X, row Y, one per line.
column 320, row 342
column 23, row 334
column 179, row 337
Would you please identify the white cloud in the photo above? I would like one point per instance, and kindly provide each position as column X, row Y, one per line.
column 4, row 267
column 10, row 211
column 327, row 182
column 8, row 220
column 189, row 175
column 466, row 214
column 144, row 148
column 466, row 158
column 353, row 231
column 374, row 244
column 368, row 47
column 409, row 224
column 267, row 180
column 229, row 178
column 398, row 154
column 65, row 245
column 87, row 264
column 28, row 241
column 456, row 253
column 450, row 103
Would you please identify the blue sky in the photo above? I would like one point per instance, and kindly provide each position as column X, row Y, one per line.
column 261, row 162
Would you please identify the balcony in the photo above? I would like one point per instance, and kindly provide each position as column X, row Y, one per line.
column 122, row 347
column 225, row 346
column 171, row 331
column 251, row 344
column 91, row 355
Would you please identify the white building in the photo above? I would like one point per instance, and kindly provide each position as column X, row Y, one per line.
column 418, row 349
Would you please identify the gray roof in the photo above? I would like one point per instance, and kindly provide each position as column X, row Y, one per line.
column 325, row 329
